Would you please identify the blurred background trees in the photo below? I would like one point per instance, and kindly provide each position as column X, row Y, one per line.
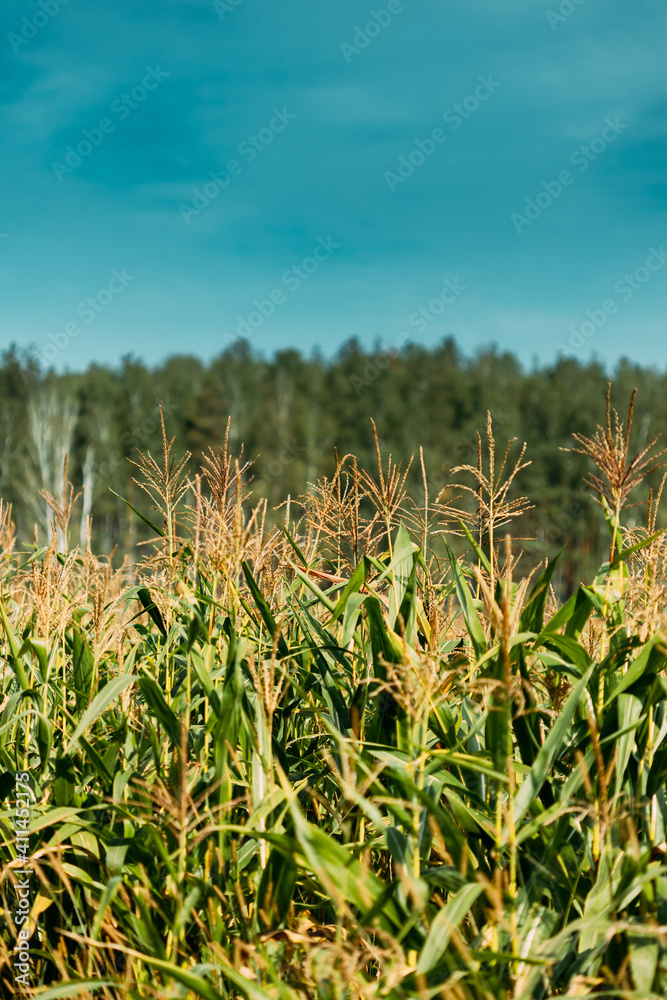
column 292, row 412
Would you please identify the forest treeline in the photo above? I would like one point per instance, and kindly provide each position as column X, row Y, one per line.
column 293, row 414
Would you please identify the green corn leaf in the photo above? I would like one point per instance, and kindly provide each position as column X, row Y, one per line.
column 644, row 957
column 144, row 596
column 572, row 616
column 100, row 703
column 65, row 781
column 82, row 665
column 312, row 586
column 400, row 572
column 340, row 872
column 158, row 531
column 276, row 890
column 651, row 660
column 73, row 988
column 351, row 617
column 622, row 555
column 195, row 983
column 356, row 582
column 658, row 773
column 385, row 647
column 449, row 918
column 294, row 546
column 95, row 759
column 475, row 630
column 574, row 655
column 549, row 751
column 630, row 714
column 475, row 546
column 44, row 739
column 498, row 730
column 532, row 616
column 159, row 708
column 264, row 609
column 108, row 896
column 406, row 619
column 14, row 649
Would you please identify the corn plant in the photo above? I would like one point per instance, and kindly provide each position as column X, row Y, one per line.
column 354, row 757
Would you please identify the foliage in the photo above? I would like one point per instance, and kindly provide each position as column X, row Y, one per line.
column 331, row 758
column 292, row 413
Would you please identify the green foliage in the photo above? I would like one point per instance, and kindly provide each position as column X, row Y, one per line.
column 255, row 777
column 291, row 412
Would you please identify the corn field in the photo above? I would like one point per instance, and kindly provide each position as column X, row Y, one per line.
column 355, row 755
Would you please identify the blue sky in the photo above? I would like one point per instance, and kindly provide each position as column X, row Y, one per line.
column 305, row 110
